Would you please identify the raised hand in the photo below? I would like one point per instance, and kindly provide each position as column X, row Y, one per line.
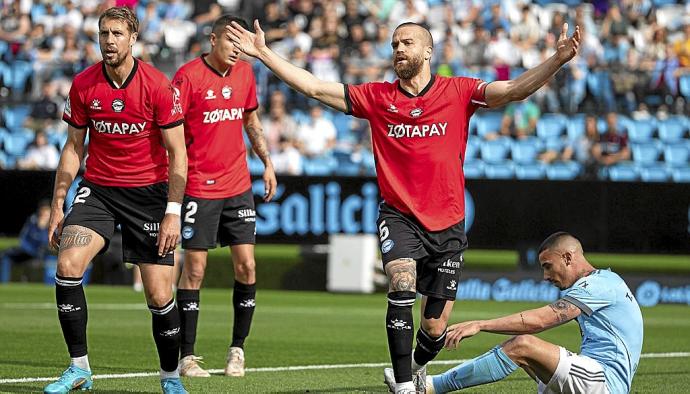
column 249, row 43
column 567, row 47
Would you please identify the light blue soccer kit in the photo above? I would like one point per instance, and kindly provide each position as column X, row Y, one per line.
column 612, row 331
column 611, row 326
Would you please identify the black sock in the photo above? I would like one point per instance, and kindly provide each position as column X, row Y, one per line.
column 399, row 327
column 188, row 307
column 165, row 322
column 72, row 312
column 427, row 346
column 244, row 303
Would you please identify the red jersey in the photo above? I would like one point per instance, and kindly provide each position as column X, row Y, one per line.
column 419, row 144
column 126, row 148
column 214, row 107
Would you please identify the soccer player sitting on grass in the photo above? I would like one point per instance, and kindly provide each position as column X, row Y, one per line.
column 610, row 323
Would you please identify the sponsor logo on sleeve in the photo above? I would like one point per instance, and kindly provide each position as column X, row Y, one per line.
column 68, row 107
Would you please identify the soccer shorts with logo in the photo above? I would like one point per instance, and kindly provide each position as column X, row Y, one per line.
column 575, row 374
column 438, row 253
column 138, row 210
column 228, row 221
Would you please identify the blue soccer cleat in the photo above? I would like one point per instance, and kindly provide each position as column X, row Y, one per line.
column 172, row 386
column 74, row 378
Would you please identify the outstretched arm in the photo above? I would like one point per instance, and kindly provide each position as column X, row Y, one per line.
column 502, row 92
column 528, row 322
column 329, row 93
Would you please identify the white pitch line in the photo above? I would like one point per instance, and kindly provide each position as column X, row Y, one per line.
column 298, row 368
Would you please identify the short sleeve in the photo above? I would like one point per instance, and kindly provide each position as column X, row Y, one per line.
column 75, row 111
column 359, row 99
column 590, row 295
column 168, row 109
column 251, row 103
column 184, row 89
column 471, row 92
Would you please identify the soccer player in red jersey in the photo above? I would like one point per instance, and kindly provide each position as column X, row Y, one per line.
column 218, row 96
column 136, row 163
column 419, row 132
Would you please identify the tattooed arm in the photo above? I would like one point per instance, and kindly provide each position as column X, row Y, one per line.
column 255, row 132
column 527, row 322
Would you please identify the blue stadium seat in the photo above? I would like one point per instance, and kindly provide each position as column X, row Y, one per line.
column 299, row 116
column 489, row 122
column 472, row 127
column 16, row 115
column 255, row 165
column 525, row 151
column 348, row 169
column 494, row 151
column 499, row 170
column 472, row 150
column 653, row 173
column 624, row 172
column 319, row 166
column 551, row 125
column 645, row 153
column 341, row 122
column 681, row 174
column 563, row 171
column 473, row 169
column 684, row 83
column 16, row 143
column 672, row 129
column 641, row 130
column 530, row 171
column 576, row 126
column 21, row 71
column 677, row 155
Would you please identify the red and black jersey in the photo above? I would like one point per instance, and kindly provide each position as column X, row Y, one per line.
column 419, row 144
column 214, row 107
column 124, row 124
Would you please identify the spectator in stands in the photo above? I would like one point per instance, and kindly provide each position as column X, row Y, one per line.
column 578, row 149
column 612, row 146
column 278, row 123
column 287, row 159
column 41, row 155
column 364, row 65
column 682, row 48
column 520, row 119
column 33, row 241
column 317, row 136
column 449, row 64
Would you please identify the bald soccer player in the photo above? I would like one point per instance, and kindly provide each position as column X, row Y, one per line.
column 610, row 324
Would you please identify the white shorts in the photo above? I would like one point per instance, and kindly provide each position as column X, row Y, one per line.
column 575, row 374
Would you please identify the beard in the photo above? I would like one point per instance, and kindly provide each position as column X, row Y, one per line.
column 409, row 70
column 113, row 61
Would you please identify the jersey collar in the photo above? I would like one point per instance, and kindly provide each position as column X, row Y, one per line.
column 129, row 77
column 422, row 93
column 203, row 59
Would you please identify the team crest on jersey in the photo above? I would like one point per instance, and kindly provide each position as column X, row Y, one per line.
column 227, row 92
column 392, row 108
column 96, row 104
column 118, row 105
column 187, row 232
column 210, row 95
column 387, row 245
column 416, row 113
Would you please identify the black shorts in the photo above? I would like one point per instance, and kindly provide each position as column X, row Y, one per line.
column 228, row 221
column 438, row 253
column 138, row 210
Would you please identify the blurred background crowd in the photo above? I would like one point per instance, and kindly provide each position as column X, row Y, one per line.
column 618, row 111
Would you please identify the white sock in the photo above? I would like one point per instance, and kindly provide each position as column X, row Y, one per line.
column 407, row 386
column 170, row 375
column 82, row 362
column 430, row 385
column 415, row 367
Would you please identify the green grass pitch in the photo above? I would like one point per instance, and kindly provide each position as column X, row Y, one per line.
column 291, row 329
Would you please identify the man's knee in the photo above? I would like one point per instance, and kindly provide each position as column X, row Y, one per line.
column 402, row 274
column 70, row 266
column 519, row 348
column 158, row 298
column 435, row 328
column 245, row 267
column 194, row 269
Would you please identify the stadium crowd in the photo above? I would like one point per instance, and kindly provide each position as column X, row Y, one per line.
column 632, row 78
